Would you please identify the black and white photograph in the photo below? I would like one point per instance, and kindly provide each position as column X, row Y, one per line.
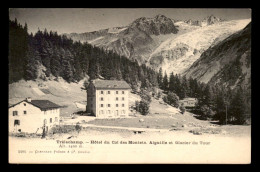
column 129, row 85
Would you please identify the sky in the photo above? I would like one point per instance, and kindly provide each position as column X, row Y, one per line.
column 79, row 20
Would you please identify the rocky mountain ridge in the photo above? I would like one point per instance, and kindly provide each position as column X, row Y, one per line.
column 209, row 20
column 163, row 42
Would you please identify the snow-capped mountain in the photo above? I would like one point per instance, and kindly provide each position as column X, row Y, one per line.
column 177, row 53
column 160, row 24
column 163, row 42
column 205, row 22
column 134, row 41
column 227, row 62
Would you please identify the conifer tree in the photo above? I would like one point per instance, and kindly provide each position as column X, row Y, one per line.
column 172, row 83
column 160, row 78
column 165, row 85
column 238, row 107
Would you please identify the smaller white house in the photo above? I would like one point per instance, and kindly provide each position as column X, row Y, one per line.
column 31, row 116
column 189, row 102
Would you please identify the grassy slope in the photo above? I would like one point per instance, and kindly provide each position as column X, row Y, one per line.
column 61, row 93
column 69, row 95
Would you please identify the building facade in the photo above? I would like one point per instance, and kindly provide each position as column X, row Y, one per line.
column 189, row 102
column 31, row 116
column 108, row 98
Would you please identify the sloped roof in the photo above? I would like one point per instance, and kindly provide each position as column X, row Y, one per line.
column 42, row 104
column 110, row 84
column 189, row 99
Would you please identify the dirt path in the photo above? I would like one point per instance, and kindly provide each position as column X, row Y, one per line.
column 126, row 128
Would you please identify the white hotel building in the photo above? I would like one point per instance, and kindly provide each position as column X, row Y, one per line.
column 108, row 98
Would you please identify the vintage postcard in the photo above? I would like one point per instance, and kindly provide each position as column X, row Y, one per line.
column 129, row 86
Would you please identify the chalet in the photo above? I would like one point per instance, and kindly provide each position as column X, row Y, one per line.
column 108, row 98
column 30, row 116
column 189, row 102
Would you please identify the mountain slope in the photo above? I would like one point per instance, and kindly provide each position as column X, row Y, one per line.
column 163, row 42
column 228, row 62
column 177, row 54
column 133, row 41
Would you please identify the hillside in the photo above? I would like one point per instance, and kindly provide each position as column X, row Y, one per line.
column 133, row 41
column 177, row 54
column 47, row 55
column 161, row 41
column 228, row 62
column 70, row 96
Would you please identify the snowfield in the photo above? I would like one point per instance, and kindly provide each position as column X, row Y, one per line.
column 116, row 30
column 94, row 40
column 198, row 39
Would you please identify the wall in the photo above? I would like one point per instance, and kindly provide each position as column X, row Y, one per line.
column 111, row 99
column 91, row 99
column 189, row 103
column 51, row 114
column 32, row 121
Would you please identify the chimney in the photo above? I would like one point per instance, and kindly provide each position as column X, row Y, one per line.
column 28, row 99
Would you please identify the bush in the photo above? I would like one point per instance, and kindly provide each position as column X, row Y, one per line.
column 145, row 96
column 62, row 129
column 78, row 127
column 142, row 107
column 171, row 99
column 206, row 113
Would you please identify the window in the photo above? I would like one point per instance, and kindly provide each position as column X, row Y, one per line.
column 24, row 112
column 91, row 99
column 101, row 112
column 108, row 105
column 16, row 122
column 91, row 105
column 24, row 104
column 15, row 113
column 101, row 92
column 116, row 92
column 123, row 98
column 123, row 92
column 101, row 105
column 45, row 121
column 116, row 105
column 108, row 92
column 123, row 105
column 123, row 111
column 56, row 119
column 50, row 120
column 116, row 98
column 102, row 99
column 108, row 112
